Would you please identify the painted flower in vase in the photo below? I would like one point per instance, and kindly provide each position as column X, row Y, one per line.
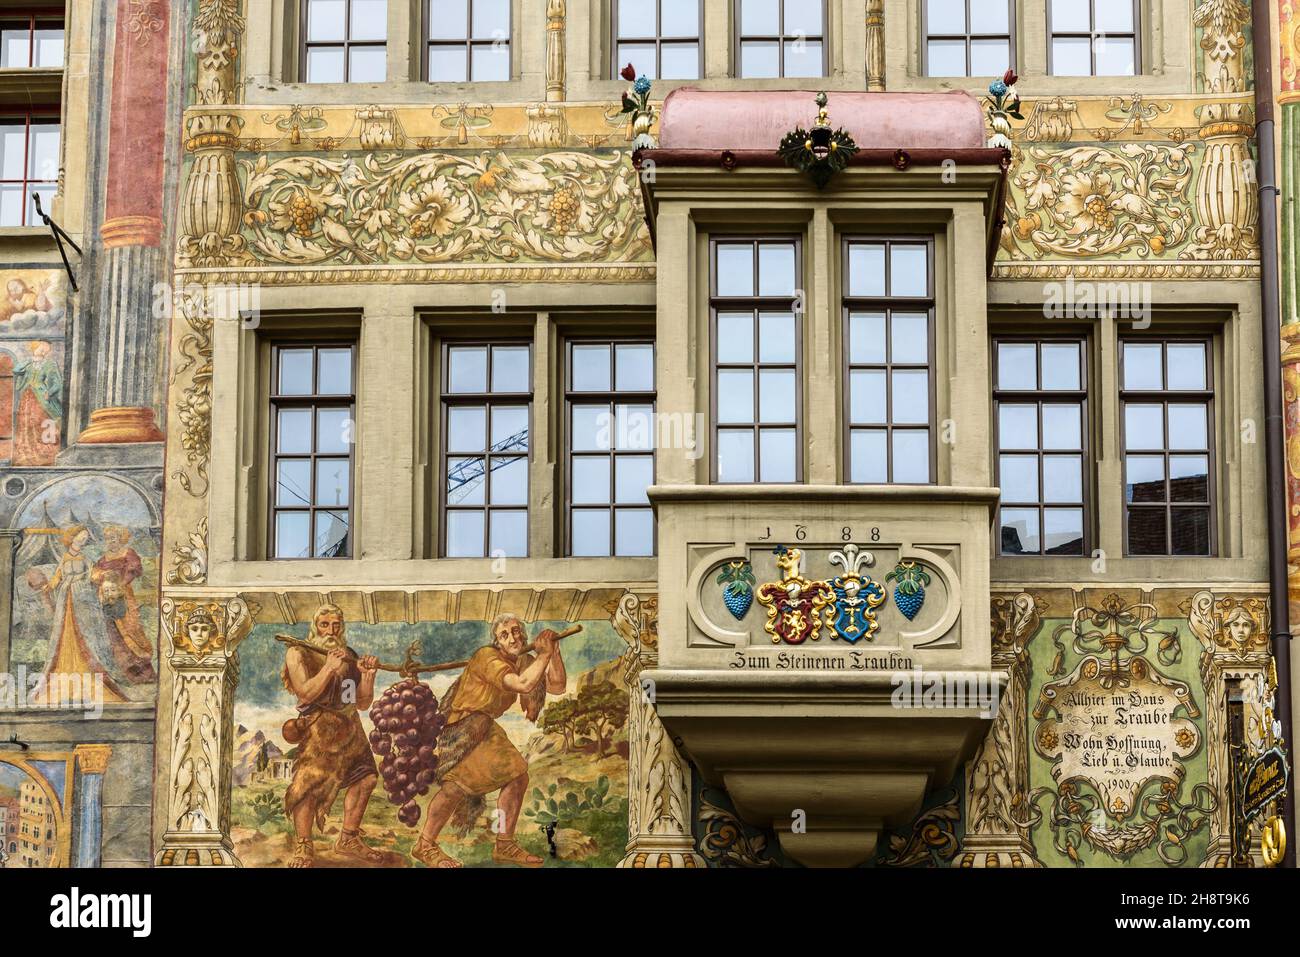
column 636, row 101
column 1004, row 106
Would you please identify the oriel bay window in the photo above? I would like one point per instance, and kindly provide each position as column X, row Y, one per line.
column 344, row 41
column 1040, row 403
column 756, row 359
column 312, row 423
column 1167, row 400
column 888, row 327
column 610, row 403
column 486, row 401
column 660, row 38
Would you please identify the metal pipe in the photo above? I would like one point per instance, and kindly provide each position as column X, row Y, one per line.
column 1274, row 438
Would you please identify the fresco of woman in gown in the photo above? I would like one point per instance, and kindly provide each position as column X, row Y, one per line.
column 79, row 638
column 38, row 389
column 116, row 574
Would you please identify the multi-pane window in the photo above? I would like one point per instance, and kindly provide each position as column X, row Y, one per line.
column 781, row 38
column 888, row 316
column 31, row 40
column 486, row 396
column 1167, row 400
column 312, row 422
column 29, row 165
column 467, row 40
column 1040, row 403
column 967, row 37
column 1093, row 37
column 756, row 382
column 660, row 38
column 345, row 41
column 610, row 392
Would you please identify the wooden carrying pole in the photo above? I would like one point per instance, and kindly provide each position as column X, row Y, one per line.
column 410, row 667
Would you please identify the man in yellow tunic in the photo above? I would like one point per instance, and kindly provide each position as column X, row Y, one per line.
column 495, row 677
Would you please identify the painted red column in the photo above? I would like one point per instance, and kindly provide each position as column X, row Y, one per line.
column 127, row 337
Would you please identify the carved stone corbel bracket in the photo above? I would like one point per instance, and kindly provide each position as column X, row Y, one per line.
column 196, row 727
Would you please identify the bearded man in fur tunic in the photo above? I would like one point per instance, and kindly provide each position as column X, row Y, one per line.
column 333, row 751
column 476, row 757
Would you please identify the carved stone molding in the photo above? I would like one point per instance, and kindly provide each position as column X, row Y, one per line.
column 201, row 638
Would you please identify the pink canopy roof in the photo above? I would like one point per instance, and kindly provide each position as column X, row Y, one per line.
column 756, row 120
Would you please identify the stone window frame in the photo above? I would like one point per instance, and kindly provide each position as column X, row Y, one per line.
column 756, row 304
column 316, row 401
column 446, row 400
column 968, row 36
column 1039, row 397
column 1165, row 42
column 590, row 29
column 616, row 62
column 272, row 51
column 250, row 348
column 1231, row 326
column 612, row 397
column 1165, row 397
column 1093, row 35
column 888, row 304
column 347, row 43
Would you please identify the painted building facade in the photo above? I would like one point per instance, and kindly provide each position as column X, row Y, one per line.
column 914, row 519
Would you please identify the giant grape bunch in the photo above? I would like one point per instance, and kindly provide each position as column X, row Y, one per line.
column 407, row 724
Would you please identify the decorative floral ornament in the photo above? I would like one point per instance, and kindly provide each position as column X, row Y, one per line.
column 821, row 152
column 637, row 102
column 1004, row 106
column 737, row 581
column 909, row 592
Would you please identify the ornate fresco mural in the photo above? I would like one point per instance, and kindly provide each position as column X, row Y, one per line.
column 1107, row 749
column 85, row 598
column 569, row 739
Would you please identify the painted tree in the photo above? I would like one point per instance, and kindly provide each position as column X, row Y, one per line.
column 602, row 710
column 561, row 717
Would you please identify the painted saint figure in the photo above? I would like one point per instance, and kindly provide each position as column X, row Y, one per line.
column 115, row 574
column 38, row 387
column 494, row 679
column 79, row 639
column 334, row 755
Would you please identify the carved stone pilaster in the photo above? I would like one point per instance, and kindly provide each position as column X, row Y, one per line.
column 1226, row 201
column 555, row 14
column 212, row 204
column 876, row 46
column 658, row 778
column 997, row 778
column 202, row 637
column 1234, row 640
